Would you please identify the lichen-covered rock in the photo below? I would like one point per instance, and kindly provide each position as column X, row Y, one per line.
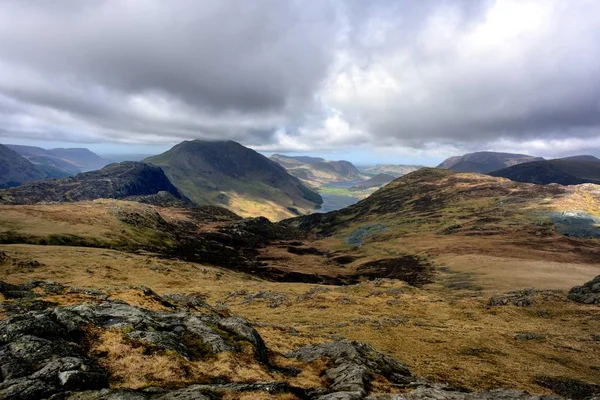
column 353, row 365
column 589, row 293
column 43, row 353
column 437, row 393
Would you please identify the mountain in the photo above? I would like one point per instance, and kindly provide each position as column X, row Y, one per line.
column 317, row 171
column 67, row 161
column 228, row 174
column 450, row 279
column 565, row 171
column 395, row 170
column 376, row 181
column 115, row 181
column 581, row 158
column 485, row 161
column 295, row 161
column 15, row 169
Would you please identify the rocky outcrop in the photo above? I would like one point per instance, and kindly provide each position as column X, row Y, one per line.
column 589, row 293
column 352, row 366
column 46, row 352
column 115, row 181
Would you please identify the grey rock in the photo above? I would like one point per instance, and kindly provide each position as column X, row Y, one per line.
column 81, row 380
column 34, row 323
column 353, row 364
column 589, row 293
column 207, row 334
column 51, row 370
column 71, row 321
column 181, row 300
column 348, row 377
column 161, row 340
column 106, row 394
column 525, row 336
column 243, row 329
column 343, row 396
column 36, row 352
column 25, row 389
column 435, row 393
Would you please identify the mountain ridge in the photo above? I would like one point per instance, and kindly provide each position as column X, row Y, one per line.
column 317, row 171
column 564, row 171
column 66, row 161
column 228, row 174
column 485, row 161
column 15, row 169
column 115, row 181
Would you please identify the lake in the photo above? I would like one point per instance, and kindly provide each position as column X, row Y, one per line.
column 332, row 202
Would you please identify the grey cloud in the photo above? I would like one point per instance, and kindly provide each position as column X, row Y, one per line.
column 313, row 74
column 237, row 60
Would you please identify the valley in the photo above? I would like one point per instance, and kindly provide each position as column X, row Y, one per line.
column 464, row 278
column 299, row 200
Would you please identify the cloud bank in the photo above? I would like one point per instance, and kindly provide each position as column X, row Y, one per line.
column 279, row 75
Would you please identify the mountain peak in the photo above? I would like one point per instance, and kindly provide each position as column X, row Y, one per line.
column 227, row 173
column 485, row 161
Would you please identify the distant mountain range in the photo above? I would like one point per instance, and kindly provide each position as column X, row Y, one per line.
column 316, row 171
column 376, row 181
column 61, row 162
column 15, row 169
column 573, row 170
column 483, row 162
column 228, row 174
column 115, row 181
column 395, row 170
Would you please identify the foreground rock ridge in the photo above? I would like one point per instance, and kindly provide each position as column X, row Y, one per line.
column 90, row 349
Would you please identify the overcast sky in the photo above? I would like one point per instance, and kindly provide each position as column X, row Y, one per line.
column 371, row 81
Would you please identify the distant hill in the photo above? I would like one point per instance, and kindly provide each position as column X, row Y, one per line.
column 316, row 171
column 295, row 161
column 66, row 161
column 15, row 170
column 485, row 161
column 581, row 158
column 376, row 181
column 229, row 174
column 115, row 181
column 395, row 170
column 565, row 171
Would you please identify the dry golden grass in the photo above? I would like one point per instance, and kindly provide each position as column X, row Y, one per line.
column 441, row 334
column 131, row 365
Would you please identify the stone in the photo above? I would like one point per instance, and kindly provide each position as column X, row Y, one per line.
column 589, row 293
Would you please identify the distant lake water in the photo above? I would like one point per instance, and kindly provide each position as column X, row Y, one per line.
column 333, row 202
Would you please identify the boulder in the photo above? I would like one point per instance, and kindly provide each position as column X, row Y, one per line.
column 589, row 293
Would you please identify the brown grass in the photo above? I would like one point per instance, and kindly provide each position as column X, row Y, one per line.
column 131, row 364
column 436, row 331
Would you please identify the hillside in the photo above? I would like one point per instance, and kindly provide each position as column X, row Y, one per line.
column 582, row 157
column 437, row 285
column 231, row 175
column 376, row 181
column 115, row 181
column 485, row 161
column 67, row 162
column 15, row 169
column 395, row 170
column 295, row 161
column 316, row 171
column 566, row 171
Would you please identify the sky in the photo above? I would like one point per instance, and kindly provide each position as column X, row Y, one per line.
column 379, row 81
